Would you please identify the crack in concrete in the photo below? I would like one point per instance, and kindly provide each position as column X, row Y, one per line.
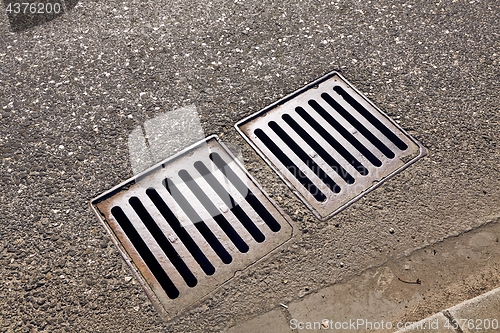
column 456, row 326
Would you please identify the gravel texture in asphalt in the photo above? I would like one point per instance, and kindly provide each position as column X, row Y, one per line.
column 73, row 88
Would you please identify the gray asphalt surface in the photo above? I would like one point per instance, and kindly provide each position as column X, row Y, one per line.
column 67, row 88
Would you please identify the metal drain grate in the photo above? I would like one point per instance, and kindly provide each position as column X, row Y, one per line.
column 188, row 224
column 329, row 143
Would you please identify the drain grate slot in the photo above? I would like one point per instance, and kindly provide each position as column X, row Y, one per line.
column 247, row 194
column 163, row 242
column 214, row 212
column 291, row 166
column 302, row 155
column 354, row 122
column 341, row 131
column 238, row 212
column 324, row 154
column 190, row 223
column 198, row 222
column 329, row 143
column 181, row 232
column 371, row 118
column 145, row 253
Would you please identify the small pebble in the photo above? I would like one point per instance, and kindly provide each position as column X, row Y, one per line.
column 304, row 292
column 341, row 264
column 391, row 230
column 128, row 279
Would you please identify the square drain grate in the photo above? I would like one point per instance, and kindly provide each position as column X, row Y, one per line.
column 188, row 224
column 329, row 143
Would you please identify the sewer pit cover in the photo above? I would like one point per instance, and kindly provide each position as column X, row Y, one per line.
column 329, row 143
column 187, row 225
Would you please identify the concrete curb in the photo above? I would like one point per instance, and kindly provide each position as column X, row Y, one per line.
column 481, row 313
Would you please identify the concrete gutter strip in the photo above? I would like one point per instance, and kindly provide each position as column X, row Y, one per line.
column 481, row 313
column 396, row 295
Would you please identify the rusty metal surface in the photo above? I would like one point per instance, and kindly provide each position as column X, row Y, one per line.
column 232, row 199
column 329, row 143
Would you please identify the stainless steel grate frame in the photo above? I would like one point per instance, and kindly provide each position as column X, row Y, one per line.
column 329, row 143
column 188, row 224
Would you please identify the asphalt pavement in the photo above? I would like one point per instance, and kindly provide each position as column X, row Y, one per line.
column 73, row 88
